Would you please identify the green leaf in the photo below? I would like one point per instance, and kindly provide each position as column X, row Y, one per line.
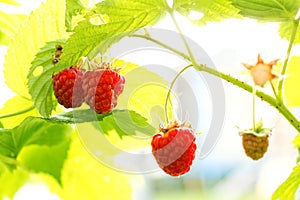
column 40, row 79
column 9, row 24
column 11, row 182
column 291, row 84
column 45, row 159
column 11, row 2
column 50, row 140
column 7, row 146
column 73, row 7
column 125, row 123
column 285, row 31
column 22, row 106
column 212, row 10
column 43, row 25
column 268, row 10
column 32, row 131
column 287, row 190
column 38, row 131
column 1, row 125
column 79, row 116
column 95, row 34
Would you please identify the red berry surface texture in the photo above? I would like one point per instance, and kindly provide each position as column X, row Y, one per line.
column 174, row 149
column 67, row 87
column 101, row 89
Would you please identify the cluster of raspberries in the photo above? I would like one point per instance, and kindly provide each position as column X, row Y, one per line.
column 98, row 88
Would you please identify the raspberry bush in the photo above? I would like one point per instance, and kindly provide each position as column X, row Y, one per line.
column 38, row 136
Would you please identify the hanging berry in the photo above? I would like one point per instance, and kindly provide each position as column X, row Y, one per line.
column 174, row 149
column 256, row 141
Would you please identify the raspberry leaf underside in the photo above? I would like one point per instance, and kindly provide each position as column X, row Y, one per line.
column 212, row 10
column 268, row 10
column 40, row 79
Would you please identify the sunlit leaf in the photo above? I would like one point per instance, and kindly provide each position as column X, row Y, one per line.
column 94, row 34
column 16, row 105
column 268, row 10
column 49, row 160
column 11, row 181
column 292, row 81
column 9, row 23
column 11, row 2
column 287, row 190
column 43, row 25
column 212, row 10
column 85, row 178
column 296, row 141
column 72, row 9
column 285, row 31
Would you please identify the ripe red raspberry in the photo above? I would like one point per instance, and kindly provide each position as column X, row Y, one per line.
column 101, row 89
column 67, row 87
column 255, row 146
column 174, row 150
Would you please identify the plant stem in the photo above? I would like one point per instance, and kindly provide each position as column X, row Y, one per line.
column 147, row 37
column 187, row 46
column 253, row 107
column 170, row 89
column 285, row 64
column 274, row 90
column 17, row 113
column 201, row 67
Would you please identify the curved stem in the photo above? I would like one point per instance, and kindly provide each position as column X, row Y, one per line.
column 170, row 89
column 285, row 64
column 17, row 113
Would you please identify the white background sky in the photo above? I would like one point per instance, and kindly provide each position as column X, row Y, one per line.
column 228, row 44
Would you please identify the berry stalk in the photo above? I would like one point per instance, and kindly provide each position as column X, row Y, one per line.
column 170, row 89
column 253, row 107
